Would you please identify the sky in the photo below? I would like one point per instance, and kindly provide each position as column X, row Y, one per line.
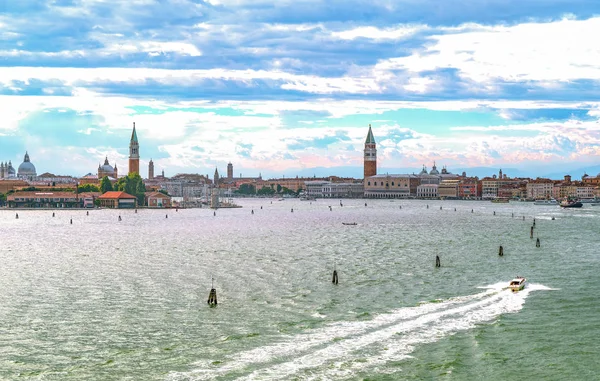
column 286, row 88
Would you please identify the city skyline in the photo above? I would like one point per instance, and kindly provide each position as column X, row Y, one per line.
column 465, row 84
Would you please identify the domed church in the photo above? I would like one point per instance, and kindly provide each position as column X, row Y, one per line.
column 107, row 170
column 26, row 169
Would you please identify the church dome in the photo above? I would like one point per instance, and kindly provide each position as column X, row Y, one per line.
column 107, row 168
column 26, row 169
column 434, row 170
column 423, row 171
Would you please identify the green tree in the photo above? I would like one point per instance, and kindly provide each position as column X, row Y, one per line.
column 247, row 189
column 105, row 185
column 279, row 188
column 88, row 188
column 265, row 191
column 140, row 191
column 132, row 184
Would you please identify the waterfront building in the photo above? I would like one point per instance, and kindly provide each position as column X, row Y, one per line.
column 157, row 200
column 295, row 184
column 118, row 200
column 427, row 191
column 108, row 171
column 330, row 189
column 584, row 191
column 150, row 170
column 314, row 188
column 448, row 189
column 370, row 155
column 134, row 153
column 491, row 185
column 45, row 199
column 391, row 186
column 469, row 188
column 88, row 199
column 540, row 189
column 26, row 169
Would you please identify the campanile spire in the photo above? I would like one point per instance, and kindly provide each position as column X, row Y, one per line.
column 370, row 158
column 134, row 153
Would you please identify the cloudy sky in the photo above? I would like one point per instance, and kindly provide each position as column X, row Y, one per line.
column 289, row 87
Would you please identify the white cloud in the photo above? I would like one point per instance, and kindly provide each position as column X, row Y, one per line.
column 82, row 76
column 374, row 33
column 552, row 52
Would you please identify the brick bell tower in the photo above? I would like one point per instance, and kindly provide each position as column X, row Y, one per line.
column 370, row 155
column 134, row 153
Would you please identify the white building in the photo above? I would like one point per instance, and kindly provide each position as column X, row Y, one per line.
column 328, row 189
column 427, row 191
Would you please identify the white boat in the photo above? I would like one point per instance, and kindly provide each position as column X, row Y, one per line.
column 546, row 202
column 517, row 284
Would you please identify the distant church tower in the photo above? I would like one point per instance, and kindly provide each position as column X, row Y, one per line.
column 150, row 170
column 229, row 171
column 134, row 153
column 370, row 155
column 216, row 177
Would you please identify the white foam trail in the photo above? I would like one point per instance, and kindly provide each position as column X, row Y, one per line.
column 387, row 337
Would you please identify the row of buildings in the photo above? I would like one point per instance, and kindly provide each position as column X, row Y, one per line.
column 445, row 185
column 195, row 189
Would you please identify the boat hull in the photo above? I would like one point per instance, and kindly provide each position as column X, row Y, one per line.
column 572, row 205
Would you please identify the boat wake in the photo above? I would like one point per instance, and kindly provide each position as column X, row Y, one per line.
column 342, row 349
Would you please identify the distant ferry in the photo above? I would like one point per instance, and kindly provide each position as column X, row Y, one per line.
column 500, row 200
column 546, row 202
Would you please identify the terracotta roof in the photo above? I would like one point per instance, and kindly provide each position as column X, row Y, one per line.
column 115, row 195
column 158, row 195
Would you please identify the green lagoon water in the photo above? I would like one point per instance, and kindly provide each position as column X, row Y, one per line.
column 108, row 300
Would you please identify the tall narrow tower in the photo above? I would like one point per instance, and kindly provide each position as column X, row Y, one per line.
column 134, row 153
column 370, row 155
column 229, row 171
column 216, row 177
column 150, row 170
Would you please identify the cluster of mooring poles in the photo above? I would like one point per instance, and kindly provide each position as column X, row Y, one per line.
column 212, row 295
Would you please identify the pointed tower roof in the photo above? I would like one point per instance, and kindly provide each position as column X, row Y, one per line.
column 133, row 134
column 26, row 159
column 370, row 138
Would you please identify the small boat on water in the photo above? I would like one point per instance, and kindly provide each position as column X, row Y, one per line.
column 571, row 203
column 500, row 200
column 348, row 223
column 550, row 201
column 517, row 284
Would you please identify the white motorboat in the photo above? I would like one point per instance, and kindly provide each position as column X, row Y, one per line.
column 517, row 284
column 546, row 202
